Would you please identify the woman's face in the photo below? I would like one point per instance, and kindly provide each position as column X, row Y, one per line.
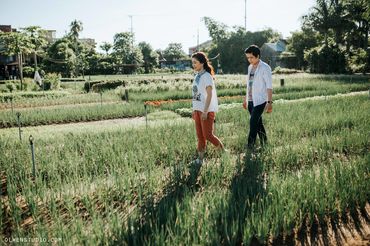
column 197, row 65
column 252, row 59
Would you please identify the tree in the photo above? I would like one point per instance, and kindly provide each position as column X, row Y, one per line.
column 217, row 30
column 174, row 52
column 61, row 58
column 127, row 56
column 344, row 24
column 74, row 33
column 302, row 41
column 230, row 44
column 150, row 57
column 38, row 39
column 106, row 47
column 320, row 18
column 326, row 58
column 75, row 29
column 15, row 43
column 358, row 14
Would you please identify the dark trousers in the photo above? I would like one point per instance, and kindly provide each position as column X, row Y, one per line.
column 256, row 125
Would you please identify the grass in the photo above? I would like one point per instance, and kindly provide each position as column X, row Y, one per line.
column 86, row 105
column 71, row 113
column 135, row 185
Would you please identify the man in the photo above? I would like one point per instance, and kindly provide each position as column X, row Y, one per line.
column 259, row 94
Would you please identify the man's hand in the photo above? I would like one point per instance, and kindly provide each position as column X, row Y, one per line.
column 268, row 108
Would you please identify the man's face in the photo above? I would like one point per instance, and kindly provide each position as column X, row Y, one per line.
column 251, row 58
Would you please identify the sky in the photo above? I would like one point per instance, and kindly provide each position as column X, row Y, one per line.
column 158, row 22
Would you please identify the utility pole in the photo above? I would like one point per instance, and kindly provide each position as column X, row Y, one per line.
column 198, row 40
column 245, row 15
column 132, row 30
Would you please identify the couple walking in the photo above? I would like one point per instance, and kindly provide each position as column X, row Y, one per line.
column 205, row 104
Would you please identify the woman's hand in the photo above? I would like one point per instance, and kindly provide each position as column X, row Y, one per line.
column 204, row 115
column 245, row 105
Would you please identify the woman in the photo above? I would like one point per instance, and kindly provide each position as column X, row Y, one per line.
column 205, row 104
column 259, row 94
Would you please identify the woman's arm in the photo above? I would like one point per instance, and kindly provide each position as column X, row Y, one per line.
column 208, row 102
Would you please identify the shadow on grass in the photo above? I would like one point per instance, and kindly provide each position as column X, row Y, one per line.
column 156, row 217
column 247, row 187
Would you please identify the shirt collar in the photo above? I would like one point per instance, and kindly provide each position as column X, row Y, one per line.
column 201, row 72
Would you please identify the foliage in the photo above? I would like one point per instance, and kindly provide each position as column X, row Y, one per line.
column 61, row 58
column 301, row 41
column 358, row 61
column 344, row 26
column 326, row 59
column 127, row 56
column 106, row 47
column 51, row 81
column 108, row 85
column 230, row 45
column 279, row 70
column 174, row 52
column 28, row 71
column 150, row 57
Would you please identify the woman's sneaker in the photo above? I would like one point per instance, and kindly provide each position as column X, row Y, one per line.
column 198, row 161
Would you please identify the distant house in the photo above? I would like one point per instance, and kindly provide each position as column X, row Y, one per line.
column 181, row 65
column 270, row 53
column 200, row 47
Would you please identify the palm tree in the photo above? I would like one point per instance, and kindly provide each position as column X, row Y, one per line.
column 358, row 12
column 76, row 28
column 320, row 18
column 106, row 47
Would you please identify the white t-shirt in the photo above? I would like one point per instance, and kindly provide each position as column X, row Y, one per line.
column 201, row 81
column 262, row 80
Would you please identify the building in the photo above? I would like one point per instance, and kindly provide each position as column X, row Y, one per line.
column 200, row 47
column 181, row 65
column 7, row 28
column 8, row 64
column 270, row 53
column 51, row 35
column 89, row 41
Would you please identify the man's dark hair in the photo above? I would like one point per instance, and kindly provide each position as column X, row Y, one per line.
column 254, row 50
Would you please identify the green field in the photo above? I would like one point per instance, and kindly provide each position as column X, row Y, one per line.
column 133, row 182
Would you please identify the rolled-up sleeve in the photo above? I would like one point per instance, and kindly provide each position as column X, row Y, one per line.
column 268, row 77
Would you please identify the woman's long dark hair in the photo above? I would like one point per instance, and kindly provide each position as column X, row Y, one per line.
column 202, row 58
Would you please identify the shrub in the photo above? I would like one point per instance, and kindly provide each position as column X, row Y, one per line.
column 280, row 70
column 28, row 71
column 10, row 86
column 89, row 84
column 72, row 80
column 108, row 85
column 51, row 81
column 326, row 59
column 358, row 61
